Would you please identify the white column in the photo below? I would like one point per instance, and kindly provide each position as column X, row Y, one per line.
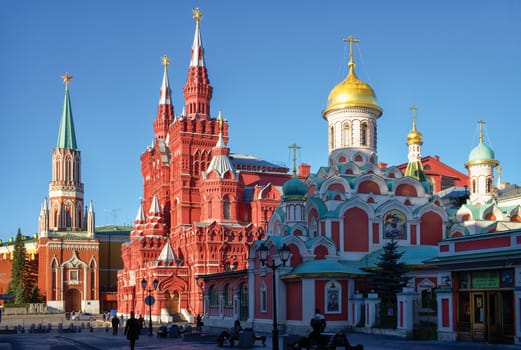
column 370, row 309
column 355, row 312
column 444, row 297
column 406, row 300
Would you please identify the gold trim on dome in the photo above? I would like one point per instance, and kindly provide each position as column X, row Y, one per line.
column 482, row 161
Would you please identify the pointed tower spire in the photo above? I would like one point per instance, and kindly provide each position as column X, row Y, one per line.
column 91, row 220
column 197, row 90
column 140, row 216
column 220, row 162
column 164, row 98
column 165, row 110
column 197, row 58
column 67, row 135
column 155, row 209
column 66, row 189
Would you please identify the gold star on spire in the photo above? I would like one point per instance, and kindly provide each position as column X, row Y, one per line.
column 66, row 79
column 165, row 60
column 197, row 15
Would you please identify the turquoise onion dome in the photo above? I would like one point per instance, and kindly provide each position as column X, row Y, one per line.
column 481, row 152
column 294, row 189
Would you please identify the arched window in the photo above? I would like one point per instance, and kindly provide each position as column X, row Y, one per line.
column 263, row 298
column 92, row 280
column 226, row 208
column 68, row 218
column 346, row 135
column 363, row 134
column 332, row 136
column 228, row 296
column 473, row 185
column 333, row 300
column 54, row 280
column 214, row 296
column 489, row 185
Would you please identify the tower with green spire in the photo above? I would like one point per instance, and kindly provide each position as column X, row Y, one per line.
column 66, row 204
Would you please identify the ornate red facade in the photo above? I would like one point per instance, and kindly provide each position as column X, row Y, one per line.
column 202, row 207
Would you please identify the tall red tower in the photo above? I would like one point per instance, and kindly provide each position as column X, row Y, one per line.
column 202, row 206
column 68, row 252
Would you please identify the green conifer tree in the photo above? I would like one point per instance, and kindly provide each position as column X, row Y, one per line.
column 388, row 279
column 20, row 285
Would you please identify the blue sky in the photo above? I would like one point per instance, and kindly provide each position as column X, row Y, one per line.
column 272, row 65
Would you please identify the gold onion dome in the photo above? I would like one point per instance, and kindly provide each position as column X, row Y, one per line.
column 352, row 92
column 414, row 137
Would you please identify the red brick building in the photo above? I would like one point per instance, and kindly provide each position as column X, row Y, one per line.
column 202, row 208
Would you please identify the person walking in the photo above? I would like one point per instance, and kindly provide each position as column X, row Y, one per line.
column 199, row 323
column 115, row 325
column 132, row 330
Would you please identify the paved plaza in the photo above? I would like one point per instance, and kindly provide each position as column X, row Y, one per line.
column 99, row 339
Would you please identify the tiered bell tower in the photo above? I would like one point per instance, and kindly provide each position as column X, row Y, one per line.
column 66, row 212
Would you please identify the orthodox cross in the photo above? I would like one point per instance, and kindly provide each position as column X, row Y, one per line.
column 295, row 147
column 413, row 110
column 351, row 41
column 481, row 122
column 66, row 79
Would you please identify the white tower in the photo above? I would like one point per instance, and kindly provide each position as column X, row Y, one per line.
column 351, row 114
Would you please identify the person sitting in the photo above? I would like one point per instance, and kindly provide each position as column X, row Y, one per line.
column 231, row 336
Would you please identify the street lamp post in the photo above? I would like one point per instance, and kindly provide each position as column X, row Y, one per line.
column 149, row 300
column 263, row 257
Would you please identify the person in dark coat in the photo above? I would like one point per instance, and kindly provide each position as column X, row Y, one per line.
column 132, row 330
column 115, row 325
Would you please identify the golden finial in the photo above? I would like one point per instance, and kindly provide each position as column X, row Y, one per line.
column 413, row 110
column 481, row 122
column 197, row 15
column 295, row 147
column 351, row 41
column 220, row 121
column 66, row 79
column 165, row 60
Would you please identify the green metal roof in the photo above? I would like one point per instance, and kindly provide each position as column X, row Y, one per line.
column 326, row 267
column 413, row 255
column 415, row 170
column 66, row 135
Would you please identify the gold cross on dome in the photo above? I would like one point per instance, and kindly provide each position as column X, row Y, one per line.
column 413, row 109
column 295, row 147
column 197, row 14
column 351, row 41
column 66, row 79
column 481, row 122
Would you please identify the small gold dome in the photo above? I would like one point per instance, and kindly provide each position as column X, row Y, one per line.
column 414, row 137
column 352, row 92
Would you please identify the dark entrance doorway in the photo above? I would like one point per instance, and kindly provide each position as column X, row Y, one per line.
column 73, row 300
